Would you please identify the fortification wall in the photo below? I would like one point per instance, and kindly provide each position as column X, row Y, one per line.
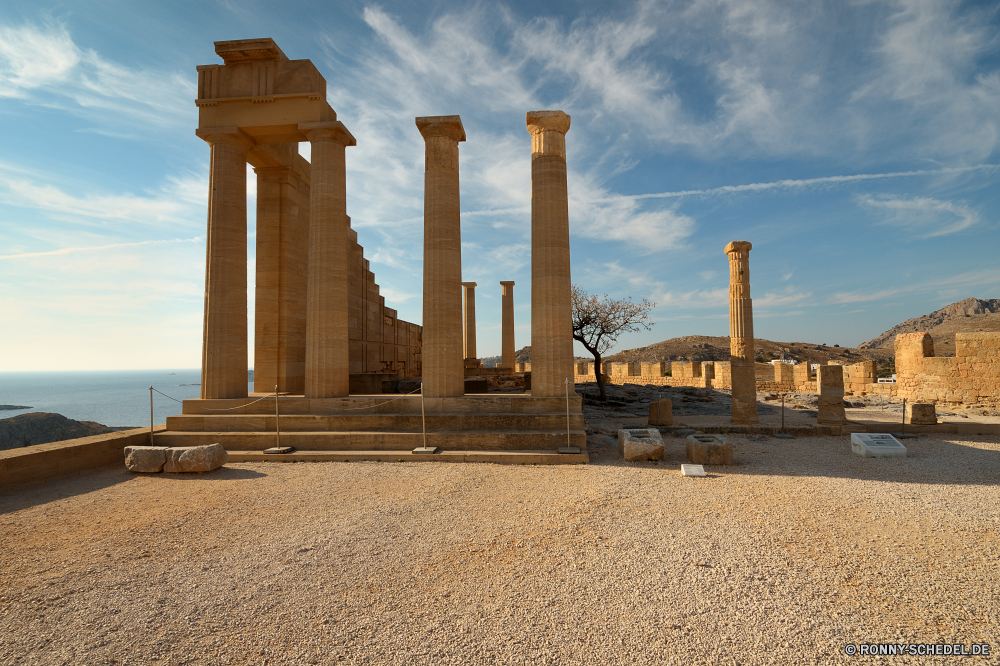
column 971, row 378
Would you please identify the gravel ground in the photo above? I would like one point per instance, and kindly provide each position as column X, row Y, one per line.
column 793, row 552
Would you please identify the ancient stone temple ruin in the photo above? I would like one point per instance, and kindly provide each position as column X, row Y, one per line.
column 323, row 334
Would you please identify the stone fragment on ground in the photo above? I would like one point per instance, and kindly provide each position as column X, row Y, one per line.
column 640, row 444
column 703, row 449
column 152, row 459
column 146, row 459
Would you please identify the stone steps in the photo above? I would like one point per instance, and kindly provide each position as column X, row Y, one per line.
column 489, row 403
column 524, row 457
column 469, row 441
column 437, row 422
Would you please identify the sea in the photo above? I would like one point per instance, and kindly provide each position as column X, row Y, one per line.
column 111, row 397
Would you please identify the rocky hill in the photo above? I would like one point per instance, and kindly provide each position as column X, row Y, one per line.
column 969, row 315
column 705, row 348
column 43, row 427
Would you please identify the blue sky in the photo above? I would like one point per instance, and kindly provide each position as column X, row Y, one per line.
column 855, row 144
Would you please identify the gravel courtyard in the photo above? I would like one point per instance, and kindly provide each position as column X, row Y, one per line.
column 785, row 557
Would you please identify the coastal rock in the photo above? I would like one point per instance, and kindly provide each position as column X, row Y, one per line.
column 44, row 427
column 195, row 458
column 146, row 459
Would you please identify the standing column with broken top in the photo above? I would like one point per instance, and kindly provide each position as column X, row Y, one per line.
column 442, row 349
column 551, row 306
column 469, row 320
column 507, row 325
column 830, row 389
column 744, row 379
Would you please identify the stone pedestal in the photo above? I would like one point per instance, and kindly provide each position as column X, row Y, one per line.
column 920, row 413
column 551, row 307
column 830, row 387
column 661, row 413
column 224, row 346
column 469, row 321
column 507, row 325
column 280, row 295
column 443, row 371
column 709, row 450
column 744, row 377
column 327, row 349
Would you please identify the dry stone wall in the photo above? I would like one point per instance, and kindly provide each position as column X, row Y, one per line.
column 971, row 378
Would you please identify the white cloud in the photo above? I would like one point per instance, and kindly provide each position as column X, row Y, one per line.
column 863, row 297
column 41, row 64
column 94, row 248
column 698, row 299
column 789, row 297
column 924, row 217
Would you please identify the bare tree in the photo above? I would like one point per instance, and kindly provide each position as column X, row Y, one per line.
column 598, row 321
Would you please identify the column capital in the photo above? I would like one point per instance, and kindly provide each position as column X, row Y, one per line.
column 283, row 175
column 468, row 285
column 324, row 130
column 738, row 248
column 446, row 126
column 507, row 283
column 232, row 136
column 548, row 121
column 548, row 132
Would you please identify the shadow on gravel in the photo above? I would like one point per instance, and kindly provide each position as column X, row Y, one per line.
column 88, row 482
column 930, row 460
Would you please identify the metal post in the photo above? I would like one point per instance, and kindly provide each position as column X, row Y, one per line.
column 151, row 415
column 277, row 428
column 782, row 412
column 423, row 415
column 567, row 412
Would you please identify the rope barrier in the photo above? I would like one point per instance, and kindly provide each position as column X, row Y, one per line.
column 275, row 394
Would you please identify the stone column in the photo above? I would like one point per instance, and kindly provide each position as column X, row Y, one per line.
column 551, row 308
column 507, row 325
column 224, row 344
column 830, row 389
column 442, row 353
column 744, row 379
column 469, row 318
column 327, row 347
column 280, row 295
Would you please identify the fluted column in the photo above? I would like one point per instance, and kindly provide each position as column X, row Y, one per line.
column 327, row 350
column 744, row 379
column 442, row 350
column 280, row 295
column 224, row 342
column 469, row 320
column 551, row 308
column 507, row 325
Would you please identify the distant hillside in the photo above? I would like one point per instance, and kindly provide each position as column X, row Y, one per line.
column 43, row 427
column 705, row 348
column 969, row 315
column 522, row 355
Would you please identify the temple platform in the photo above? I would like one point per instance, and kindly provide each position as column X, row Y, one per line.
column 513, row 428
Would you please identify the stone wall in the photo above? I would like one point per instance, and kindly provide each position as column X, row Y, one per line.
column 29, row 465
column 379, row 341
column 971, row 378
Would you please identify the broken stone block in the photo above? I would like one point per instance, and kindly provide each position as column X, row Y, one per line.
column 147, row 459
column 195, row 458
column 639, row 445
column 661, row 413
column 709, row 450
column 921, row 413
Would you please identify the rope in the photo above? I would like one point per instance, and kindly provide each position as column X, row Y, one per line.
column 275, row 394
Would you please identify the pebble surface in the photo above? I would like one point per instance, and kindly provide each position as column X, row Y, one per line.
column 787, row 556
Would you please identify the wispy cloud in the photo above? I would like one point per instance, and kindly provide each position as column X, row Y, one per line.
column 863, row 297
column 803, row 183
column 41, row 64
column 923, row 216
column 93, row 248
column 697, row 299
